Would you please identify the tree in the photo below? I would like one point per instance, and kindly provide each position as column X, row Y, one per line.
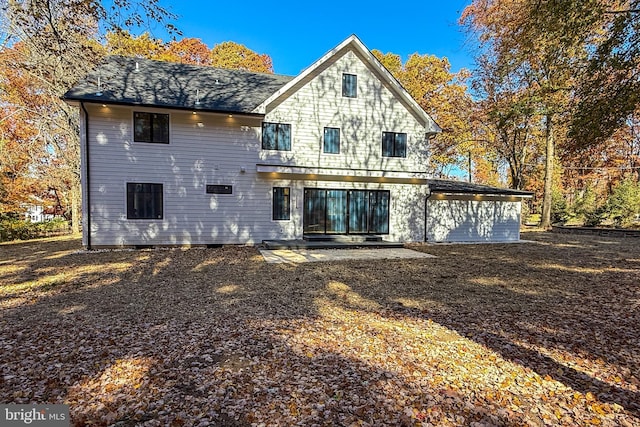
column 121, row 42
column 189, row 51
column 443, row 95
column 54, row 43
column 236, row 56
column 609, row 86
column 538, row 45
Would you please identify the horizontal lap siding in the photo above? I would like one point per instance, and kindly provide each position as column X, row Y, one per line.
column 319, row 104
column 195, row 157
column 473, row 221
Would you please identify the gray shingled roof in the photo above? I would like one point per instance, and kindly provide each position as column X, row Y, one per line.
column 460, row 187
column 174, row 85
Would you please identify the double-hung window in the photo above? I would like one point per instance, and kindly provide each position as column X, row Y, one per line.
column 349, row 85
column 144, row 200
column 332, row 140
column 276, row 136
column 150, row 127
column 281, row 203
column 394, row 144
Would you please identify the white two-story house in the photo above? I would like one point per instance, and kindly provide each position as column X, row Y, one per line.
column 176, row 154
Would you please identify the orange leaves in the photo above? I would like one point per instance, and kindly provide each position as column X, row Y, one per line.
column 189, row 51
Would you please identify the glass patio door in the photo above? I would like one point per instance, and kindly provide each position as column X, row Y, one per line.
column 336, row 212
column 345, row 212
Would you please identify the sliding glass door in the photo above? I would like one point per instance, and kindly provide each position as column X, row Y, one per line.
column 346, row 211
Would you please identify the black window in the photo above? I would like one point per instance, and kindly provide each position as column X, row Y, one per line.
column 332, row 140
column 276, row 136
column 394, row 144
column 150, row 127
column 350, row 85
column 219, row 189
column 144, row 201
column 281, row 203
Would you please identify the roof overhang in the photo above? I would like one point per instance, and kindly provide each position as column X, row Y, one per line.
column 450, row 188
column 341, row 174
column 77, row 101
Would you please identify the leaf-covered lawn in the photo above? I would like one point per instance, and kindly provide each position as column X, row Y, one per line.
column 546, row 333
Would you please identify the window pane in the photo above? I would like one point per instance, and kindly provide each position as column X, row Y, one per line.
column 336, row 211
column 161, row 128
column 349, row 85
column 142, row 127
column 358, row 211
column 281, row 203
column 284, row 137
column 144, row 201
column 401, row 145
column 387, row 144
column 379, row 212
column 269, row 136
column 314, row 211
column 332, row 140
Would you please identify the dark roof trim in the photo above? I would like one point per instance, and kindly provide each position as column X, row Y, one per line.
column 166, row 107
column 444, row 186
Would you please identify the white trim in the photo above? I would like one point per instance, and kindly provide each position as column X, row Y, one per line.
column 362, row 173
column 354, row 43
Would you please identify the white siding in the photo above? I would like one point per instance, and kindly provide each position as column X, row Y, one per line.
column 319, row 104
column 196, row 156
column 463, row 220
column 225, row 150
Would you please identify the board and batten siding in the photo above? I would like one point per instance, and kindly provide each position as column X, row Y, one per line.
column 473, row 219
column 319, row 103
column 222, row 150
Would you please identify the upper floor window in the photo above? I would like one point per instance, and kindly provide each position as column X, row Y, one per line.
column 350, row 85
column 332, row 140
column 276, row 136
column 150, row 127
column 144, row 200
column 394, row 144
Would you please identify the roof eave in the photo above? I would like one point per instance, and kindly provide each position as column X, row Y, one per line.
column 72, row 100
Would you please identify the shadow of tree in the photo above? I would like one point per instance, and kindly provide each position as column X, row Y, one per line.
column 218, row 334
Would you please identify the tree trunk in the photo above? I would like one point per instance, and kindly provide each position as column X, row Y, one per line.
column 75, row 208
column 548, row 175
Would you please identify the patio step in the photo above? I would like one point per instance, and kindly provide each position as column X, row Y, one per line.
column 328, row 244
column 342, row 238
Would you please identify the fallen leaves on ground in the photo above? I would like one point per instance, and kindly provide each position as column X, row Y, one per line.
column 534, row 334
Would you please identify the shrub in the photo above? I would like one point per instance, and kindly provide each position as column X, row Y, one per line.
column 559, row 209
column 624, row 203
column 19, row 229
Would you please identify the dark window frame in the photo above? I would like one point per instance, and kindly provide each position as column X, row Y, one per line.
column 150, row 212
column 324, row 140
column 218, row 189
column 371, row 200
column 154, row 136
column 394, row 144
column 349, row 85
column 281, row 204
column 281, row 129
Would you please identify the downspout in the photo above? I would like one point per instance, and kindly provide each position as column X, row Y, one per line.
column 87, row 172
column 426, row 213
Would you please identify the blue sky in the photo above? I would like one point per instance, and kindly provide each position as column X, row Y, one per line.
column 296, row 33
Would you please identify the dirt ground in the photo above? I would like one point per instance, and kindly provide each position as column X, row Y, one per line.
column 543, row 333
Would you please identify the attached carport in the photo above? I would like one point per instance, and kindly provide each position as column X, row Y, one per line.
column 458, row 211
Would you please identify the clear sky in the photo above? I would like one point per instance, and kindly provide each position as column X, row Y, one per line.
column 296, row 33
